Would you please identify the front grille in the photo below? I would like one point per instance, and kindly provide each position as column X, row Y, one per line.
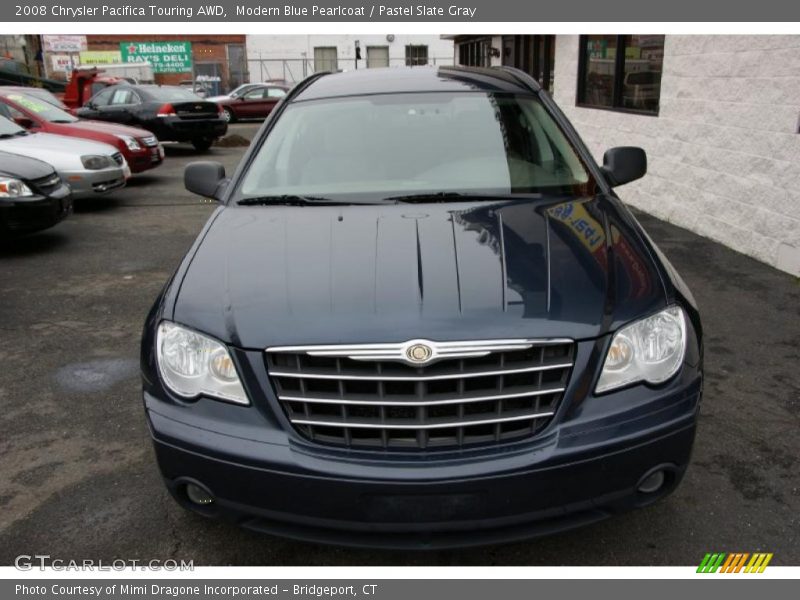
column 150, row 141
column 118, row 158
column 47, row 184
column 360, row 397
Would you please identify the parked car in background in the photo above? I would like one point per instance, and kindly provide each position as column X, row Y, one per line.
column 421, row 300
column 141, row 149
column 172, row 113
column 89, row 168
column 255, row 103
column 236, row 92
column 200, row 88
column 32, row 195
column 36, row 92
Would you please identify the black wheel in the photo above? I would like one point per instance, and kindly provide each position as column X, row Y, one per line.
column 229, row 116
column 202, row 144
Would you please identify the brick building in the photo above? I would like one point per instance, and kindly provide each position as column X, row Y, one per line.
column 717, row 115
column 218, row 59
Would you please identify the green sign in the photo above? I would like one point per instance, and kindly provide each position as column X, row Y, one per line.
column 164, row 57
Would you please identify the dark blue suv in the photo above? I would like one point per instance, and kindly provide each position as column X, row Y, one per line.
column 421, row 317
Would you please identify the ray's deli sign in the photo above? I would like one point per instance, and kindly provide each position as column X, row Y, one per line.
column 164, row 57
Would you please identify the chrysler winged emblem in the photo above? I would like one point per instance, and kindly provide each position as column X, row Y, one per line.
column 419, row 353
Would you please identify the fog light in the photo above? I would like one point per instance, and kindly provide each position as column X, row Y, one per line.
column 198, row 495
column 652, row 483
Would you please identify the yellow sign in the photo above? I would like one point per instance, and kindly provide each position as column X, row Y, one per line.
column 101, row 57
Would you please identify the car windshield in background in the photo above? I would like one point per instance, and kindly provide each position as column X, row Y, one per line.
column 401, row 145
column 8, row 128
column 42, row 109
column 45, row 95
column 172, row 94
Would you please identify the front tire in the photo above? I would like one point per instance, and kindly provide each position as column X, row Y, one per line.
column 229, row 116
column 202, row 144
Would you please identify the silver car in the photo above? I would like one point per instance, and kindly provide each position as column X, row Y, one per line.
column 89, row 168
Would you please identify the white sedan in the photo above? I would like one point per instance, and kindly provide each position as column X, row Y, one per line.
column 89, row 168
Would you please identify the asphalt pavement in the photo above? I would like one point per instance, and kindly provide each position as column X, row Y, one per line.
column 77, row 473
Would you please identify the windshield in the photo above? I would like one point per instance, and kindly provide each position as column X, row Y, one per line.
column 172, row 94
column 43, row 94
column 8, row 128
column 43, row 110
column 392, row 145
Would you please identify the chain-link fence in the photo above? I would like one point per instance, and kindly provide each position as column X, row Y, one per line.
column 292, row 70
column 212, row 78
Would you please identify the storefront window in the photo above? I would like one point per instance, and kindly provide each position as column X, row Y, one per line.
column 621, row 72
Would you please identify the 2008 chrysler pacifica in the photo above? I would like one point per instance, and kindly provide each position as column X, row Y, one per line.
column 420, row 316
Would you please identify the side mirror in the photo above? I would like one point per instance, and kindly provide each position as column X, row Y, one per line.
column 205, row 178
column 624, row 164
column 25, row 122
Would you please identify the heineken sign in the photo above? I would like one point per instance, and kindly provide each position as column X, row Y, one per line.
column 164, row 57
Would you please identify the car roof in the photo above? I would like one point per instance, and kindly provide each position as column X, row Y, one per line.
column 413, row 79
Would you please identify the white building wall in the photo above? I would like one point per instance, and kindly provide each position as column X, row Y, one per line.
column 274, row 49
column 724, row 151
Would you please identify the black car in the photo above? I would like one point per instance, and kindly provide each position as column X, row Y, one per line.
column 421, row 316
column 32, row 195
column 172, row 113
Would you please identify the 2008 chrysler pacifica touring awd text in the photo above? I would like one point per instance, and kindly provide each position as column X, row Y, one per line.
column 420, row 316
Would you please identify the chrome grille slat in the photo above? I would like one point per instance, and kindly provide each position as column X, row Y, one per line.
column 418, row 377
column 382, row 402
column 370, row 396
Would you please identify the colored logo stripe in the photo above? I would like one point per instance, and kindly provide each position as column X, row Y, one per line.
column 734, row 562
column 758, row 563
column 711, row 563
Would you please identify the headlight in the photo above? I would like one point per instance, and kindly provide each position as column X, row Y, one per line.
column 13, row 188
column 650, row 350
column 191, row 364
column 130, row 142
column 95, row 162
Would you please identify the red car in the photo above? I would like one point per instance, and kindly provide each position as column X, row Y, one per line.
column 255, row 103
column 139, row 147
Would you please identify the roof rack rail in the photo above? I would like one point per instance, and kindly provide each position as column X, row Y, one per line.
column 521, row 76
column 303, row 84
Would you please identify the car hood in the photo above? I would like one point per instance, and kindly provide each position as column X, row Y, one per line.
column 60, row 151
column 267, row 276
column 23, row 167
column 110, row 128
column 218, row 98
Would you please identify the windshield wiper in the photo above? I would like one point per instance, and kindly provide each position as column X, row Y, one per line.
column 431, row 197
column 459, row 197
column 290, row 200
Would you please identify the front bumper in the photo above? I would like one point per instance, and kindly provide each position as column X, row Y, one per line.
column 87, row 184
column 147, row 158
column 587, row 465
column 26, row 215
